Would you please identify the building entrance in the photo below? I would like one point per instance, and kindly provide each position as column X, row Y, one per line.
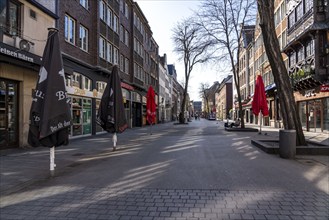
column 8, row 113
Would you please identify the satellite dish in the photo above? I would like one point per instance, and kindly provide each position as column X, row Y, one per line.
column 24, row 45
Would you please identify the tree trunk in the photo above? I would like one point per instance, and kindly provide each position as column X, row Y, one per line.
column 287, row 102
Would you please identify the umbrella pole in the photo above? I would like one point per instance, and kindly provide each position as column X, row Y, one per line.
column 114, row 141
column 52, row 161
column 151, row 128
column 260, row 124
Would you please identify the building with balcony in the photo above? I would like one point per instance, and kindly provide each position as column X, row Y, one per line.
column 308, row 52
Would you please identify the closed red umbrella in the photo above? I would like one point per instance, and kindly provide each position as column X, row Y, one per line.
column 150, row 106
column 259, row 103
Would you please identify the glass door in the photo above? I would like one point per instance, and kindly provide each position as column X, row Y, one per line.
column 86, row 116
column 8, row 113
column 315, row 114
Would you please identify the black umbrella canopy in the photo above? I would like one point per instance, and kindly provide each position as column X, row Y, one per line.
column 111, row 113
column 50, row 116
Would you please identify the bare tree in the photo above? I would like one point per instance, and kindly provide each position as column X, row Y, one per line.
column 193, row 49
column 203, row 90
column 221, row 20
column 287, row 102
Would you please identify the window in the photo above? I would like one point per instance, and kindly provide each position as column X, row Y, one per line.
column 284, row 39
column 300, row 54
column 127, row 38
column 115, row 23
column 102, row 47
column 84, row 4
column 109, row 52
column 308, row 6
column 86, row 83
column 310, row 48
column 121, row 6
column 69, row 29
column 126, row 10
column 9, row 17
column 126, row 65
column 115, row 55
column 291, row 19
column 121, row 33
column 102, row 11
column 292, row 58
column 299, row 11
column 109, row 17
column 121, row 62
column 77, row 80
column 83, row 38
column 33, row 14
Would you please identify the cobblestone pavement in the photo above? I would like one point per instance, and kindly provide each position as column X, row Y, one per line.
column 166, row 204
column 195, row 171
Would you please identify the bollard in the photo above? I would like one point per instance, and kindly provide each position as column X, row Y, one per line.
column 287, row 144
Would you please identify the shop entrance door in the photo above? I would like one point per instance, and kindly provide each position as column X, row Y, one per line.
column 314, row 115
column 8, row 113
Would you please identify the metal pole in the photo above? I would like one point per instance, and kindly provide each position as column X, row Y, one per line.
column 52, row 161
column 114, row 141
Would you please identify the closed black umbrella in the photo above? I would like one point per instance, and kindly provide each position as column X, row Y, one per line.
column 50, row 116
column 111, row 113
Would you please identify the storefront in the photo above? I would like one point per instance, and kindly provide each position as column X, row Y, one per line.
column 313, row 109
column 18, row 76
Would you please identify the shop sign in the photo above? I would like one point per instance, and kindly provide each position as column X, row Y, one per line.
column 309, row 93
column 19, row 54
column 324, row 88
column 84, row 93
column 127, row 86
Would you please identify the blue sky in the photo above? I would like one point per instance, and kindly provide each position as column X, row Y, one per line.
column 163, row 16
